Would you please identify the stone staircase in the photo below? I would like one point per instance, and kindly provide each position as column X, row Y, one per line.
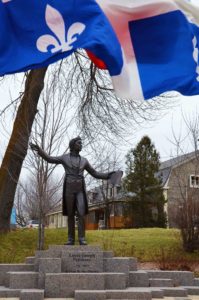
column 88, row 273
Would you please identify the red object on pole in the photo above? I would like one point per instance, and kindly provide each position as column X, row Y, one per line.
column 98, row 62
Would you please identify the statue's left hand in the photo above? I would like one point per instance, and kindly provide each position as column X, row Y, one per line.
column 110, row 174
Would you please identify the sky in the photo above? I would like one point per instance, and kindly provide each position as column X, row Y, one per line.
column 172, row 123
column 160, row 131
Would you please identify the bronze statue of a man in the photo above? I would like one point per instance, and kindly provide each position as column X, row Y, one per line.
column 74, row 191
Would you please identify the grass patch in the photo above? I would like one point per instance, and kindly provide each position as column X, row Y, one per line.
column 154, row 244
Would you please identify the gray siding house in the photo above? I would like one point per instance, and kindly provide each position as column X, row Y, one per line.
column 180, row 179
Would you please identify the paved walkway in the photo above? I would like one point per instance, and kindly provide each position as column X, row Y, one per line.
column 165, row 298
column 45, row 299
column 176, row 298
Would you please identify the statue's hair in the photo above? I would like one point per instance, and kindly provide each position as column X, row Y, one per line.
column 73, row 141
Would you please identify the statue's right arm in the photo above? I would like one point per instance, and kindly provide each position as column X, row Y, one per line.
column 45, row 156
column 50, row 159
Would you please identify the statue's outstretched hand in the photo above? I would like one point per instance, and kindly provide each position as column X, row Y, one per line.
column 34, row 147
column 115, row 178
column 110, row 174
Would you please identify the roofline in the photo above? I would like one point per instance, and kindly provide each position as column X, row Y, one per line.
column 195, row 154
column 53, row 213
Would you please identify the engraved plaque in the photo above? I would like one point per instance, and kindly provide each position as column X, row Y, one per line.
column 82, row 261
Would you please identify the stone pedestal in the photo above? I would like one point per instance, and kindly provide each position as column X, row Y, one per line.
column 87, row 272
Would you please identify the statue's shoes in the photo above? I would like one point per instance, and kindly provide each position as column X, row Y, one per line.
column 82, row 242
column 69, row 243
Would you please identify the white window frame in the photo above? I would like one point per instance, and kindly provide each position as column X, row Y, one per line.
column 194, row 185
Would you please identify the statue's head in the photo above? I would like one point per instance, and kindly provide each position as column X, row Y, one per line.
column 75, row 144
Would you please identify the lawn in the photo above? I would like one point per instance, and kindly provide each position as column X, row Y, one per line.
column 148, row 245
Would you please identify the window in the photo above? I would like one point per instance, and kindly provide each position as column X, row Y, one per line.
column 194, row 181
column 111, row 192
column 95, row 197
column 118, row 189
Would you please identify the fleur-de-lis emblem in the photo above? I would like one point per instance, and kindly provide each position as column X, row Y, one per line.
column 56, row 23
column 196, row 55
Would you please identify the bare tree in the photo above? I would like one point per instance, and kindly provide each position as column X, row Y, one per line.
column 100, row 116
column 18, row 144
column 21, row 217
column 51, row 129
column 184, row 209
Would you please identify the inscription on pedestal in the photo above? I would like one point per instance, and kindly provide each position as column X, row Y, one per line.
column 82, row 261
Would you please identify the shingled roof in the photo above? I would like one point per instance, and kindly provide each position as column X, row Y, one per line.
column 166, row 166
column 177, row 160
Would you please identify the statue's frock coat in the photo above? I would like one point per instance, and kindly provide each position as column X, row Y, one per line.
column 70, row 171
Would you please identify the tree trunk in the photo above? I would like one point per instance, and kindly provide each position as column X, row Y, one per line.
column 18, row 145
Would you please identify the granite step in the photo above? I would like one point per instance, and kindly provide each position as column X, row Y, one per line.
column 23, row 280
column 9, row 293
column 108, row 254
column 138, row 279
column 175, row 292
column 112, row 294
column 65, row 284
column 115, row 281
column 161, row 282
column 5, row 268
column 156, row 292
column 174, row 298
column 31, row 294
column 57, row 251
column 117, row 264
column 133, row 266
column 16, row 267
column 180, row 278
column 161, row 292
column 129, row 294
column 192, row 290
column 196, row 281
column 90, row 295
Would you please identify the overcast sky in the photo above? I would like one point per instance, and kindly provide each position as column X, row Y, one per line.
column 162, row 131
column 159, row 131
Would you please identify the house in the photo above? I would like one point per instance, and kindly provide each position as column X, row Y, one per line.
column 180, row 180
column 102, row 200
column 106, row 207
column 55, row 219
column 107, row 204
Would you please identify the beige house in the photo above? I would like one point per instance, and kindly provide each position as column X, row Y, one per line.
column 180, row 178
column 55, row 219
column 97, row 205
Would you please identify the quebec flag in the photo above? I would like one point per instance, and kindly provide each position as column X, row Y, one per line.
column 35, row 33
column 160, row 46
column 148, row 46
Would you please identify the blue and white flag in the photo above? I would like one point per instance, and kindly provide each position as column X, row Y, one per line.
column 160, row 46
column 36, row 33
column 148, row 46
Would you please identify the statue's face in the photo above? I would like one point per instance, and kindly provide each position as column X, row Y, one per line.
column 78, row 145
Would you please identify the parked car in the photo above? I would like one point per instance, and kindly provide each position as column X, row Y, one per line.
column 33, row 224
